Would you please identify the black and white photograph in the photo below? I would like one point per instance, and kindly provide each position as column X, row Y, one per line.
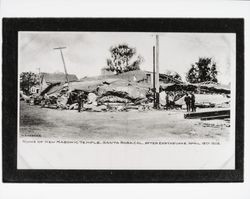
column 123, row 100
column 126, row 100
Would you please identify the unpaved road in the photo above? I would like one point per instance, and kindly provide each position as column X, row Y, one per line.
column 133, row 125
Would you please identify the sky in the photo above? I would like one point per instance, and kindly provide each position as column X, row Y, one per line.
column 86, row 52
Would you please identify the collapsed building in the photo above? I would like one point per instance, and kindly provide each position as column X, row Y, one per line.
column 132, row 90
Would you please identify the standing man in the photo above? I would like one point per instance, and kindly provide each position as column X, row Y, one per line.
column 167, row 100
column 46, row 99
column 192, row 102
column 187, row 101
column 79, row 101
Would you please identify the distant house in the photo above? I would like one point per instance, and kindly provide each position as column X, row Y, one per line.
column 53, row 78
column 35, row 89
column 163, row 78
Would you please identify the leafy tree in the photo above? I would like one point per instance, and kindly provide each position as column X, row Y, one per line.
column 122, row 59
column 27, row 80
column 203, row 70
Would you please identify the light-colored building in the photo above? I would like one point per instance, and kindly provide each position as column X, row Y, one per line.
column 53, row 78
column 35, row 89
column 48, row 79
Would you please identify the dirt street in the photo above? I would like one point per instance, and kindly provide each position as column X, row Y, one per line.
column 133, row 125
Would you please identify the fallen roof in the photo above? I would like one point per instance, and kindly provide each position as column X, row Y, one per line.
column 140, row 75
column 89, row 85
column 209, row 88
column 58, row 77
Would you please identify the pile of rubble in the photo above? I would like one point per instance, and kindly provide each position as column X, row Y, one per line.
column 97, row 95
column 123, row 95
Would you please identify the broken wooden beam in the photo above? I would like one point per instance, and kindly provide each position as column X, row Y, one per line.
column 132, row 107
column 195, row 115
column 216, row 117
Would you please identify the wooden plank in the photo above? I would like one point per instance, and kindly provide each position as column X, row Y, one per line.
column 195, row 115
column 216, row 117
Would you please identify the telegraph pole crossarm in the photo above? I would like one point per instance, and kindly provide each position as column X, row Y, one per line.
column 64, row 65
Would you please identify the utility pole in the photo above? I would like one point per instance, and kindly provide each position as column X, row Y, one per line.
column 157, row 83
column 39, row 76
column 64, row 65
column 154, row 75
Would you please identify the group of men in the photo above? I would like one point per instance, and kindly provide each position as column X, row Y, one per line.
column 190, row 102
